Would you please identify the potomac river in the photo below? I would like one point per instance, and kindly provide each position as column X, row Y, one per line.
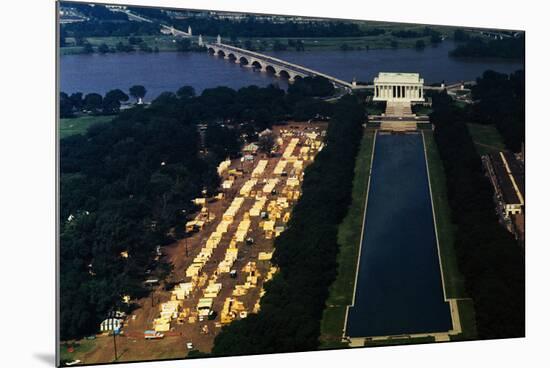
column 167, row 71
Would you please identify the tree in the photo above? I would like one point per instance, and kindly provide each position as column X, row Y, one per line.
column 460, row 35
column 435, row 38
column 88, row 49
column 222, row 141
column 311, row 86
column 112, row 99
column 183, row 44
column 266, row 142
column 93, row 102
column 120, row 47
column 186, row 92
column 65, row 106
column 77, row 100
column 138, row 92
column 278, row 46
column 420, row 45
column 345, row 47
column 143, row 46
column 490, row 259
column 103, row 48
column 248, row 45
column 132, row 40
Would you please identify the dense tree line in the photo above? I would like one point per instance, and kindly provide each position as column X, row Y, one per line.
column 500, row 100
column 101, row 28
column 435, row 36
column 94, row 103
column 312, row 86
column 489, row 258
column 123, row 186
column 185, row 44
column 289, row 319
column 252, row 27
column 507, row 48
column 97, row 11
column 127, row 186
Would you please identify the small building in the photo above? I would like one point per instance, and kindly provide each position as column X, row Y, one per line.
column 110, row 324
column 251, row 148
column 405, row 87
column 204, row 306
column 508, row 178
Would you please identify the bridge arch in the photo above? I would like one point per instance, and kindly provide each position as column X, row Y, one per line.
column 284, row 74
column 232, row 57
column 271, row 69
column 220, row 53
column 256, row 64
column 243, row 60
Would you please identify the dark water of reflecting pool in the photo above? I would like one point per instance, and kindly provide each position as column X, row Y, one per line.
column 399, row 289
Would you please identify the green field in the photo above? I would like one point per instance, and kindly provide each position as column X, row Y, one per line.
column 486, row 138
column 80, row 125
column 454, row 281
column 335, row 43
column 349, row 239
column 162, row 42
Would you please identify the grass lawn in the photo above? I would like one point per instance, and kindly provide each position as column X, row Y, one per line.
column 454, row 281
column 467, row 320
column 82, row 347
column 423, row 110
column 486, row 138
column 383, row 41
column 349, row 238
column 80, row 125
column 375, row 109
column 163, row 42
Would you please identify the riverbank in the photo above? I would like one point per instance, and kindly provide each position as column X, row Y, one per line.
column 163, row 43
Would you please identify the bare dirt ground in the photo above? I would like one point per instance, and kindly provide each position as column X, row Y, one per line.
column 131, row 345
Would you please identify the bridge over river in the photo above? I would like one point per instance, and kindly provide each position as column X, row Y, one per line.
column 269, row 63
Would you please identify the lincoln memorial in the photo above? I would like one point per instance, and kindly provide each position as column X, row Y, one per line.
column 399, row 87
